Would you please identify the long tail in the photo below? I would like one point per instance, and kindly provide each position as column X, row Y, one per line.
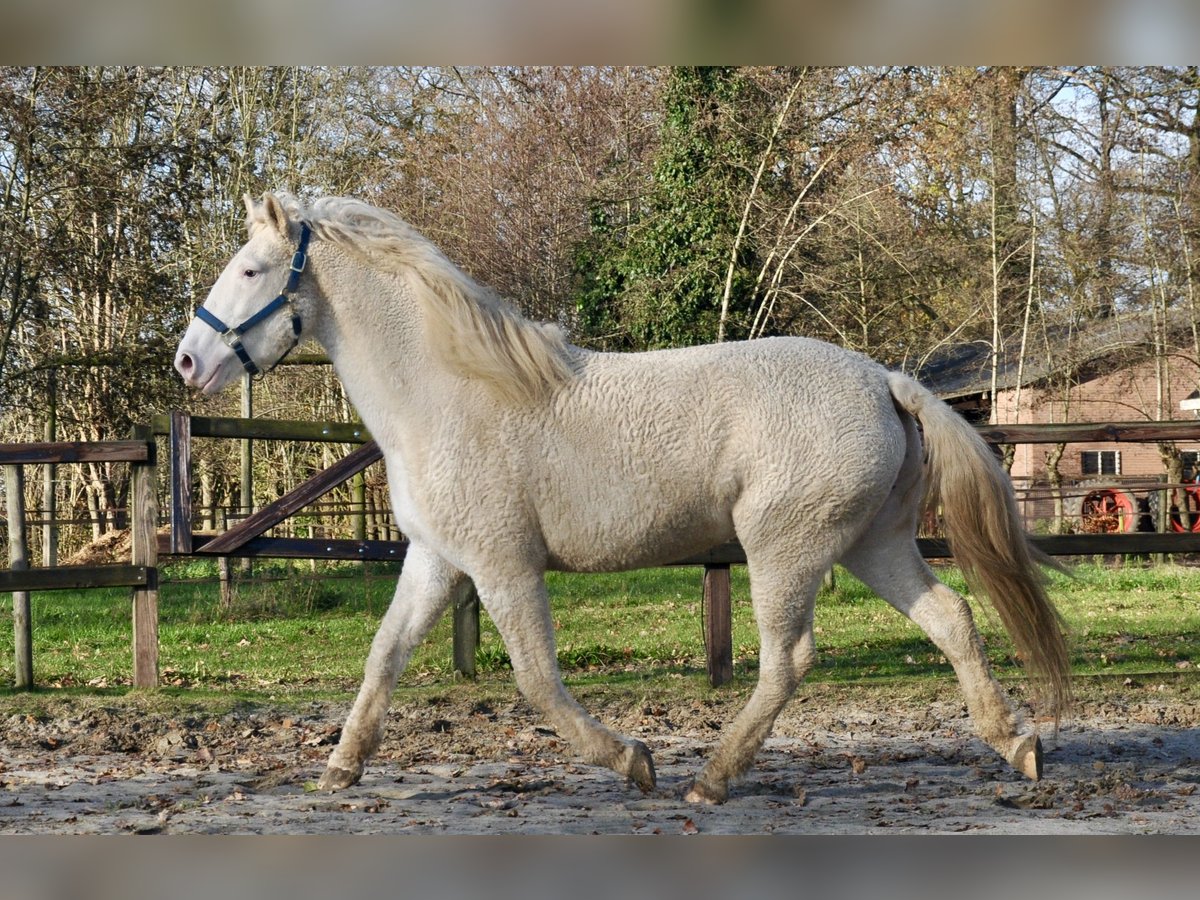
column 987, row 539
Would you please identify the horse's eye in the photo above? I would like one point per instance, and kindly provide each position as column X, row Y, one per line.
column 249, row 273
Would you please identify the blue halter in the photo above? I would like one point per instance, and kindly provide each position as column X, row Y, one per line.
column 233, row 336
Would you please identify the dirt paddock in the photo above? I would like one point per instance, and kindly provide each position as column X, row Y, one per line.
column 1128, row 761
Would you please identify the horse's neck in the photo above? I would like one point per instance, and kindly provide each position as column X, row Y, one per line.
column 373, row 334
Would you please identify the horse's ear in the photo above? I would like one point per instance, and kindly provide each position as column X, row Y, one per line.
column 275, row 214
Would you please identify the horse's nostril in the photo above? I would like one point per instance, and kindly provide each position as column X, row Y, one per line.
column 184, row 364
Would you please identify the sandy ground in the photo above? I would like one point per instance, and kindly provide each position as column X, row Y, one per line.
column 1127, row 762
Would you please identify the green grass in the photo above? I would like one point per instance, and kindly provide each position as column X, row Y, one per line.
column 294, row 634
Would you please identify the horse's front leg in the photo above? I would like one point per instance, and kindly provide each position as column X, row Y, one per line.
column 427, row 586
column 520, row 609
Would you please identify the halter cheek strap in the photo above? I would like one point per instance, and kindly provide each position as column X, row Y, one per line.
column 232, row 336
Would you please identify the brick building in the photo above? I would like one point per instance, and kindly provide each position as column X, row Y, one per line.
column 1107, row 374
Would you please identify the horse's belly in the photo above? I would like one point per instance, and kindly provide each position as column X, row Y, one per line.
column 597, row 541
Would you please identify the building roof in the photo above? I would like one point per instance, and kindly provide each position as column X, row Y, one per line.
column 1079, row 352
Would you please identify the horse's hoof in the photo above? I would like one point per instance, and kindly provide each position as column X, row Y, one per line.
column 335, row 779
column 699, row 792
column 1026, row 757
column 641, row 767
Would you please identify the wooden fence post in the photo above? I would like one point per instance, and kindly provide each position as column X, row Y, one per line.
column 225, row 571
column 246, row 565
column 144, row 526
column 180, row 439
column 718, row 624
column 18, row 558
column 466, row 631
column 358, row 505
column 49, row 474
column 829, row 582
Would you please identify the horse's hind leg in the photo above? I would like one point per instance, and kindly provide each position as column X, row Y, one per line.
column 426, row 587
column 520, row 609
column 783, row 598
column 892, row 567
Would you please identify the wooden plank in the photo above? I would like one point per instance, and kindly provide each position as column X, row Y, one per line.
column 718, row 625
column 269, row 429
column 1089, row 544
column 466, row 632
column 181, row 483
column 723, row 555
column 317, row 486
column 305, row 548
column 1101, row 544
column 73, row 578
column 730, row 553
column 1052, row 544
column 306, row 359
column 144, row 525
column 18, row 561
column 1086, row 432
column 41, row 452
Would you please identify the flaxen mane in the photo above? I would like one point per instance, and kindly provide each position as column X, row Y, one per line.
column 475, row 332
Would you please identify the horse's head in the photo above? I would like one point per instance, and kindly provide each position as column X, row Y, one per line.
column 254, row 313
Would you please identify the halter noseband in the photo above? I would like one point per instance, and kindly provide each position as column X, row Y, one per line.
column 232, row 336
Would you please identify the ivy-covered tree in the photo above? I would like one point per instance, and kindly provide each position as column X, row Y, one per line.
column 657, row 279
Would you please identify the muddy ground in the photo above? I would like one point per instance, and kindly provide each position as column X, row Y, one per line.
column 840, row 761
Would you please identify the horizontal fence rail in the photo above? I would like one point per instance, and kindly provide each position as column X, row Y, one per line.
column 74, row 578
column 300, row 548
column 1090, row 433
column 1050, row 544
column 267, row 429
column 42, row 453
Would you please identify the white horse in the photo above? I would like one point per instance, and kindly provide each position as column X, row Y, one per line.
column 510, row 452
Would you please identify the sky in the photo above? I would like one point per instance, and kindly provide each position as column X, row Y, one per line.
column 967, row 32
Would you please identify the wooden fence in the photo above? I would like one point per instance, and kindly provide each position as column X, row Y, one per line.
column 141, row 573
column 247, row 538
